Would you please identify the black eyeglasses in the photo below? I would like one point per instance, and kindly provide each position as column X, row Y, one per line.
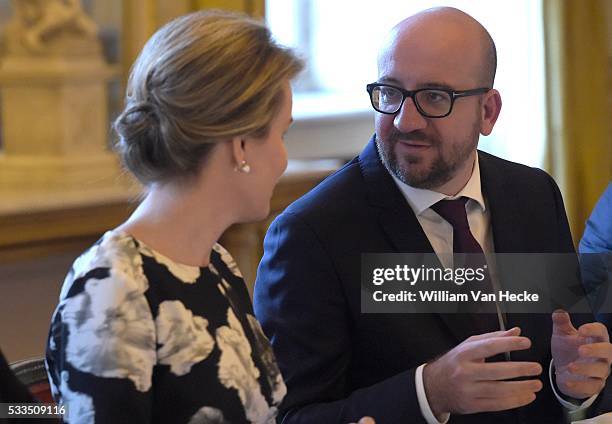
column 430, row 102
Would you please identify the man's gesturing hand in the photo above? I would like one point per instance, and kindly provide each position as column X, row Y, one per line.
column 582, row 356
column 461, row 382
column 366, row 420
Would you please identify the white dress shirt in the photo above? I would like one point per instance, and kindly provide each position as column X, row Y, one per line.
column 437, row 229
column 440, row 235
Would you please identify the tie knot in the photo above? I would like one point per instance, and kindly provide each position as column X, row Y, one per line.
column 453, row 211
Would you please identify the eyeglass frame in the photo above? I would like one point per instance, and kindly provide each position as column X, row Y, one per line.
column 454, row 94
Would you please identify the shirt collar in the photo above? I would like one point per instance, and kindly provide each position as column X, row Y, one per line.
column 421, row 199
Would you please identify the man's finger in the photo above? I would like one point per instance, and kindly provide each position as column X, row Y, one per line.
column 601, row 350
column 585, row 387
column 506, row 370
column 596, row 330
column 515, row 331
column 366, row 420
column 504, row 389
column 486, row 348
column 596, row 369
column 562, row 324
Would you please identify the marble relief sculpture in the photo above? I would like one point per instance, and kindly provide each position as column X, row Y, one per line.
column 50, row 27
column 53, row 99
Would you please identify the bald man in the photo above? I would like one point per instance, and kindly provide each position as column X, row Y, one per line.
column 434, row 97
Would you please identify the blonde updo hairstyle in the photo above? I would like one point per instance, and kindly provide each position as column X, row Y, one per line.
column 201, row 79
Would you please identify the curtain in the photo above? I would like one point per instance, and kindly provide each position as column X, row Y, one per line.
column 579, row 150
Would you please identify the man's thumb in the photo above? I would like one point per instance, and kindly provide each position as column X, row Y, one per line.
column 562, row 324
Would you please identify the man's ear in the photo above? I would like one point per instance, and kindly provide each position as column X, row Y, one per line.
column 491, row 106
column 238, row 151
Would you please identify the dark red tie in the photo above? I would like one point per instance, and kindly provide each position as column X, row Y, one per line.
column 453, row 211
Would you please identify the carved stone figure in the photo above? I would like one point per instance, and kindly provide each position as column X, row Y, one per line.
column 50, row 27
column 53, row 99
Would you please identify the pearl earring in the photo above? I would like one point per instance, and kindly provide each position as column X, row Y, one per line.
column 243, row 167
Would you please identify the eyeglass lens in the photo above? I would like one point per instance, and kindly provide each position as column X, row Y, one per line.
column 431, row 102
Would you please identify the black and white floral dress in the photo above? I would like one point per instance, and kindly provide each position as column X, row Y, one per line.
column 138, row 338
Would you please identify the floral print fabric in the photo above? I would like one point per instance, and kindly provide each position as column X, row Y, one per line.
column 138, row 338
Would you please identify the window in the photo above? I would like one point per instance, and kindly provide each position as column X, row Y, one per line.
column 340, row 41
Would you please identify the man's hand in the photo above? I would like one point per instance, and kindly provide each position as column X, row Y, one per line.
column 582, row 356
column 460, row 382
column 366, row 420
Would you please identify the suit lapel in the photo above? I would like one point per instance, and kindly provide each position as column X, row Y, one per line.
column 397, row 219
column 502, row 204
column 407, row 236
column 401, row 227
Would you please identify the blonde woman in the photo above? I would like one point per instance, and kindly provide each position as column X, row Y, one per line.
column 154, row 322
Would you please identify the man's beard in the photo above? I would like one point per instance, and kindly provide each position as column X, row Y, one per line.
column 441, row 170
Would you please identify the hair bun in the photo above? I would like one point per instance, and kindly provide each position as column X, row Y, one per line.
column 141, row 110
column 137, row 122
column 139, row 130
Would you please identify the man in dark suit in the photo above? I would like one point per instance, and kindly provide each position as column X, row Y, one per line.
column 433, row 99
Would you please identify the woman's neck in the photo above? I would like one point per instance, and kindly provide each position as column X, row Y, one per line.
column 180, row 223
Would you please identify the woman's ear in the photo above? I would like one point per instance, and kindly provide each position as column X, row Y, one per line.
column 239, row 155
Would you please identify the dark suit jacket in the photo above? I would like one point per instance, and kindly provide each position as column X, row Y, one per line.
column 11, row 389
column 340, row 364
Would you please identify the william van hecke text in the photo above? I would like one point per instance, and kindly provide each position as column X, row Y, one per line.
column 447, row 296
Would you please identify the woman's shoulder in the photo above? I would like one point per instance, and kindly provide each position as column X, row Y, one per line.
column 115, row 255
column 103, row 326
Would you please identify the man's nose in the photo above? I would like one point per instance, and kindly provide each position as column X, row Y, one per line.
column 408, row 118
